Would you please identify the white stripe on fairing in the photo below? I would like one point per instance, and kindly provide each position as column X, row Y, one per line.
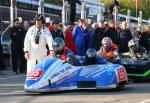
column 12, row 77
column 145, row 101
column 44, row 79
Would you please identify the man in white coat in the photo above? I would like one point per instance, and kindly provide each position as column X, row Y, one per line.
column 37, row 37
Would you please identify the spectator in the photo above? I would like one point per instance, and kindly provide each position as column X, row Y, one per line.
column 26, row 26
column 61, row 27
column 112, row 32
column 106, row 24
column 137, row 33
column 124, row 37
column 2, row 66
column 118, row 27
column 145, row 39
column 50, row 27
column 56, row 32
column 37, row 37
column 69, row 41
column 16, row 35
column 98, row 35
column 78, row 38
column 88, row 34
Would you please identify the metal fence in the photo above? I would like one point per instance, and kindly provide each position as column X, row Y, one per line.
column 5, row 27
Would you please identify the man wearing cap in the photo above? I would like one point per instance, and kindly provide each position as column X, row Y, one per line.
column 37, row 37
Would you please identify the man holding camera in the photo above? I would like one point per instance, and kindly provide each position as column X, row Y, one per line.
column 37, row 37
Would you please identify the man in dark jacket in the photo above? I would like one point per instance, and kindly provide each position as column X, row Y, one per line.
column 99, row 35
column 26, row 25
column 124, row 37
column 145, row 39
column 137, row 33
column 16, row 35
column 56, row 32
column 112, row 32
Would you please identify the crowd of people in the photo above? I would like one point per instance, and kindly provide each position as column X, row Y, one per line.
column 93, row 43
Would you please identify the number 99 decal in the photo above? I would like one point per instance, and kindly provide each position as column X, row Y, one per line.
column 35, row 74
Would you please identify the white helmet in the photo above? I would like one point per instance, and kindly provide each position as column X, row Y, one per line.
column 133, row 44
column 107, row 41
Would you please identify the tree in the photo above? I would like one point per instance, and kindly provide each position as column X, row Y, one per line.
column 130, row 4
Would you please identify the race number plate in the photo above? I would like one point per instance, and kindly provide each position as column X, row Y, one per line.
column 121, row 74
column 35, row 74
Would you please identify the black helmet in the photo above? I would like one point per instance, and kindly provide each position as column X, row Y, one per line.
column 91, row 56
column 58, row 45
column 40, row 17
column 70, row 58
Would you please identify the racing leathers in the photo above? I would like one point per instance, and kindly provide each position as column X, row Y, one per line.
column 82, row 60
column 111, row 54
column 139, row 54
column 37, row 50
column 66, row 51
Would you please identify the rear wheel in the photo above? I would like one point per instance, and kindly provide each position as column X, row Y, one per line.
column 121, row 85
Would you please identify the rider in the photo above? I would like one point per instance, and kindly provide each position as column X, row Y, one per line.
column 60, row 50
column 135, row 51
column 90, row 58
column 109, row 50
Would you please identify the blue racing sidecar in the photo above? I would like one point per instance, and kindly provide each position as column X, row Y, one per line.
column 52, row 74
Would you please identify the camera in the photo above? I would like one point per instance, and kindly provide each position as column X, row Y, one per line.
column 37, row 39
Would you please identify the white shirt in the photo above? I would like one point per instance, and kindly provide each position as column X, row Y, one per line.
column 38, row 50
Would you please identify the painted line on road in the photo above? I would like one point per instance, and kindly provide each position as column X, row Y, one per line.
column 13, row 93
column 145, row 101
column 12, row 77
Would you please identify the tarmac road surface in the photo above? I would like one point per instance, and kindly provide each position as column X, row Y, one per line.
column 11, row 91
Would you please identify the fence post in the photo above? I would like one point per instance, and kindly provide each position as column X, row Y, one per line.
column 11, row 12
column 128, row 17
column 100, row 14
column 41, row 7
column 140, row 18
column 116, row 15
column 83, row 10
